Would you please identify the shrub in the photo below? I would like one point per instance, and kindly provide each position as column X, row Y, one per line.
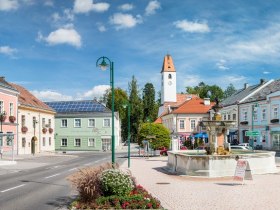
column 116, row 182
column 87, row 181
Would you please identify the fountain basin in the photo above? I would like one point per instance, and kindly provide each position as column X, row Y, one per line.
column 197, row 163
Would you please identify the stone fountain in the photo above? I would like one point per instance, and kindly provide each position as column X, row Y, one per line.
column 218, row 160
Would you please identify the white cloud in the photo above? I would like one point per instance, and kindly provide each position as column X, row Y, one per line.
column 152, row 7
column 7, row 50
column 85, row 6
column 266, row 72
column 49, row 3
column 102, row 28
column 67, row 15
column 192, row 27
column 7, row 5
column 49, row 95
column 64, row 35
column 222, row 65
column 95, row 92
column 121, row 20
column 126, row 7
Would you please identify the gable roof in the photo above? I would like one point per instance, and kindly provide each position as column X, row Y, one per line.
column 168, row 65
column 262, row 94
column 5, row 84
column 28, row 99
column 82, row 106
column 193, row 106
column 241, row 94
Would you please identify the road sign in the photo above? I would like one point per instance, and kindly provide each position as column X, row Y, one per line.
column 252, row 133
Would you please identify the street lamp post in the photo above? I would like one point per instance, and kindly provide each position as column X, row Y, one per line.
column 128, row 132
column 103, row 66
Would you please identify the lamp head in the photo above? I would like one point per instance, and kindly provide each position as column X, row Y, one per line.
column 103, row 65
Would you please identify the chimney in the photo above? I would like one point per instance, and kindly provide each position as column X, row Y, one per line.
column 246, row 85
column 206, row 101
column 262, row 81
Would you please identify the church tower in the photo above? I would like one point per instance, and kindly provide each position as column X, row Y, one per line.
column 168, row 80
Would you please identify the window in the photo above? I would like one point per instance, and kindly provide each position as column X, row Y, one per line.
column 23, row 142
column 1, row 106
column 43, row 122
column 91, row 142
column 245, row 115
column 182, row 124
column 64, row 142
column 34, row 122
column 22, row 120
column 228, row 117
column 255, row 114
column 91, row 123
column 11, row 109
column 64, row 123
column 50, row 141
column 106, row 123
column 169, row 76
column 263, row 114
column 77, row 123
column 275, row 112
column 234, row 117
column 225, row 117
column 77, row 143
column 44, row 141
column 50, row 123
column 192, row 124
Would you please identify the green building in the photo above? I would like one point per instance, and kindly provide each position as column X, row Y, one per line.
column 84, row 125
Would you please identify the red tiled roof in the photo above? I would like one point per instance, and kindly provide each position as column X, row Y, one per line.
column 193, row 106
column 28, row 99
column 158, row 120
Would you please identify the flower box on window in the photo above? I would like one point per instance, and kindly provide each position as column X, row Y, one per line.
column 244, row 123
column 24, row 129
column 274, row 120
column 12, row 119
column 50, row 130
column 44, row 130
column 3, row 117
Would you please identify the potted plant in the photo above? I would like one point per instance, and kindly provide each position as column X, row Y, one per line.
column 44, row 130
column 50, row 130
column 12, row 119
column 3, row 117
column 24, row 129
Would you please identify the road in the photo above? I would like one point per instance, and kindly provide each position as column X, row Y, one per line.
column 45, row 187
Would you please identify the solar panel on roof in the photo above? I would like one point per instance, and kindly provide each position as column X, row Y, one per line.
column 76, row 106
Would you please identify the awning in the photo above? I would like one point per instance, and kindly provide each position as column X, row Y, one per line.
column 201, row 135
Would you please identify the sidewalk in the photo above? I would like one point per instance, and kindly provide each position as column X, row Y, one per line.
column 183, row 193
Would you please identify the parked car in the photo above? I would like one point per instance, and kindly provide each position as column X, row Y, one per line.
column 239, row 147
column 244, row 144
column 163, row 151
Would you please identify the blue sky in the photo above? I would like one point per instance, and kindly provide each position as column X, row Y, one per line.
column 51, row 46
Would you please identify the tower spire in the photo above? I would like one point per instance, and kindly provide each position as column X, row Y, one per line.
column 168, row 65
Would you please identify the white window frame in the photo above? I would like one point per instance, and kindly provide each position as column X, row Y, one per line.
column 11, row 109
column 192, row 124
column 1, row 106
column 75, row 142
column 107, row 126
column 181, row 122
column 61, row 143
column 89, row 145
column 263, row 113
column 44, row 141
column 64, row 126
column 75, row 126
column 245, row 115
column 91, row 126
column 44, row 122
column 50, row 141
column 275, row 112
column 233, row 116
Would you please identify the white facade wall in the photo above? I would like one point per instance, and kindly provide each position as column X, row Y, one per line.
column 168, row 87
column 45, row 141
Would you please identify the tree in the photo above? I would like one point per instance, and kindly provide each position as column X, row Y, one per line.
column 161, row 134
column 229, row 90
column 136, row 108
column 121, row 98
column 149, row 104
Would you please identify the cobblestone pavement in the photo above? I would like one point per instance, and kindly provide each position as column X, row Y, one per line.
column 182, row 192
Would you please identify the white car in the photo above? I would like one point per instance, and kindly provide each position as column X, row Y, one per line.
column 239, row 147
column 244, row 144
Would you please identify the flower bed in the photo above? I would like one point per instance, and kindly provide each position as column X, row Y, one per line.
column 98, row 191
